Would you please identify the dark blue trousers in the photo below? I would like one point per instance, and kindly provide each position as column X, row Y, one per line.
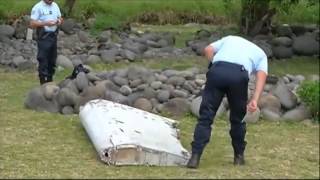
column 47, row 55
column 228, row 79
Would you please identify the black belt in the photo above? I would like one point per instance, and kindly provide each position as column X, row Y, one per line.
column 229, row 64
column 49, row 34
column 43, row 35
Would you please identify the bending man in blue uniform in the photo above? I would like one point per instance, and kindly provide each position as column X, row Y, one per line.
column 45, row 17
column 232, row 60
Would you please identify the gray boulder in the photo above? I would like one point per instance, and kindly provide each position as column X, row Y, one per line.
column 92, row 59
column 109, row 56
column 5, row 40
column 306, row 45
column 169, row 72
column 50, row 90
column 153, row 44
column 287, row 98
column 116, row 97
column 270, row 115
column 282, row 41
column 36, row 100
column 90, row 93
column 135, row 72
column 179, row 93
column 156, row 84
column 137, row 48
column 92, row 77
column 120, row 81
column 94, row 92
column 6, row 30
column 21, row 63
column 176, row 107
column 66, row 97
column 143, row 103
column 298, row 114
column 83, row 36
column 281, row 52
column 71, row 85
column 125, row 90
column 108, row 85
column 190, row 86
column 81, row 81
column 176, row 80
column 269, row 102
column 67, row 26
column 127, row 54
column 64, row 62
column 163, row 96
column 104, row 36
column 149, row 93
column 66, row 110
column 134, row 83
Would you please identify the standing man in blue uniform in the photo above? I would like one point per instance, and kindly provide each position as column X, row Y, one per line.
column 46, row 17
column 232, row 60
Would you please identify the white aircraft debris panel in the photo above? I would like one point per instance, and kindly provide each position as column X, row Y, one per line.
column 123, row 135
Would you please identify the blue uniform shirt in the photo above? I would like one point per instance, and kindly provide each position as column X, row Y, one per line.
column 45, row 12
column 235, row 49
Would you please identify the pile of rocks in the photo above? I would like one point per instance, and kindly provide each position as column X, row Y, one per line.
column 160, row 91
column 150, row 90
column 285, row 42
column 76, row 46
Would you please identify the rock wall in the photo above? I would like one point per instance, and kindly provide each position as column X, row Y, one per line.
column 161, row 91
column 285, row 42
column 76, row 46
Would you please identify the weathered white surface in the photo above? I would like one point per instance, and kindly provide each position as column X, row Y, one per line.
column 29, row 34
column 123, row 135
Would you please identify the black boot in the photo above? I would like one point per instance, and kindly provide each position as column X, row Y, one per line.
column 238, row 159
column 42, row 80
column 49, row 79
column 194, row 161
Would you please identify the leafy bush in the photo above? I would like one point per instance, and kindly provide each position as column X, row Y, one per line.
column 309, row 93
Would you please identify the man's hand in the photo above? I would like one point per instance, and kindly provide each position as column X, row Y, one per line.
column 252, row 106
column 60, row 21
column 50, row 23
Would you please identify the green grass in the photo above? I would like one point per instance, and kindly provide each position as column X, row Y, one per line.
column 301, row 13
column 112, row 13
column 296, row 65
column 44, row 145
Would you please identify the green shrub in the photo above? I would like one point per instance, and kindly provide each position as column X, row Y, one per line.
column 309, row 93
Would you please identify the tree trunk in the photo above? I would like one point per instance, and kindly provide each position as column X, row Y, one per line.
column 254, row 15
column 68, row 6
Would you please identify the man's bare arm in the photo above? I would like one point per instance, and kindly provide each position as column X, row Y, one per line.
column 261, row 79
column 37, row 24
column 209, row 53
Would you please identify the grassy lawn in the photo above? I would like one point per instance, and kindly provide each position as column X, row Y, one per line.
column 112, row 13
column 44, row 145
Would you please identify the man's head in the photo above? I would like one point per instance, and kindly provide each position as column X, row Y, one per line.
column 48, row 1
